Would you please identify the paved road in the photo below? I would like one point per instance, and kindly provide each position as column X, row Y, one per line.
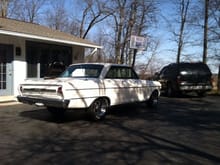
column 182, row 131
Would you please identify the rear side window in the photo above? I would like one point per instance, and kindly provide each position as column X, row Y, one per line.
column 118, row 72
column 170, row 70
column 164, row 71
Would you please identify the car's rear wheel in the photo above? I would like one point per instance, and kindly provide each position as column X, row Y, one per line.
column 98, row 109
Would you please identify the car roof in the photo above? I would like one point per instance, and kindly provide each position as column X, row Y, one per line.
column 105, row 64
column 192, row 66
column 188, row 63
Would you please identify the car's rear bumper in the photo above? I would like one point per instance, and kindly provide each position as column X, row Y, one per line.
column 58, row 103
column 195, row 87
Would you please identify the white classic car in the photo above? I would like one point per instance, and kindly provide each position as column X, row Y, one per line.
column 92, row 86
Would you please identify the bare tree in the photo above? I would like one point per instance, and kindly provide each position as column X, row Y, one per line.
column 206, row 22
column 26, row 10
column 119, row 19
column 57, row 17
column 151, row 63
column 214, row 28
column 73, row 27
column 205, row 34
column 183, row 6
column 214, row 15
column 218, row 83
column 130, row 17
column 4, row 8
column 210, row 24
column 180, row 24
column 214, row 33
column 144, row 18
column 93, row 12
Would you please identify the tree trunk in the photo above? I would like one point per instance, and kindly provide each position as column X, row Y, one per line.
column 184, row 11
column 4, row 7
column 117, row 54
column 205, row 32
column 219, row 79
column 134, row 57
column 180, row 44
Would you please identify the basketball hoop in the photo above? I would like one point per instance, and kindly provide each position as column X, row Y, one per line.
column 137, row 42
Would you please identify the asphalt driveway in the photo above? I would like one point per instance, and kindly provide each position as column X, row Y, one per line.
column 181, row 131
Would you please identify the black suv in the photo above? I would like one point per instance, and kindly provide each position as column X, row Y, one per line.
column 185, row 77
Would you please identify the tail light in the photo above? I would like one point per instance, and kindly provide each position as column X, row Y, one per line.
column 178, row 79
column 60, row 91
column 21, row 88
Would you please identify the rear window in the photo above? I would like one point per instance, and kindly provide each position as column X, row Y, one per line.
column 194, row 68
column 83, row 71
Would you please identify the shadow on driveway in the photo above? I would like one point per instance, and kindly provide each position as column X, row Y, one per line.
column 177, row 132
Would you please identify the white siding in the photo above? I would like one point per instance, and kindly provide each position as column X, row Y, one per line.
column 19, row 71
column 19, row 64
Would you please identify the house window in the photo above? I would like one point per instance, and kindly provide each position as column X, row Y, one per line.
column 6, row 56
column 41, row 56
column 32, row 62
column 2, row 76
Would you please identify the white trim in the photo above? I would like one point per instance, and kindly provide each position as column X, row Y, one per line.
column 94, row 51
column 48, row 39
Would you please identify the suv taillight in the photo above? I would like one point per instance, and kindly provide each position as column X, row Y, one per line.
column 178, row 79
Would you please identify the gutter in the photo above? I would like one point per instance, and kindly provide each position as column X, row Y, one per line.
column 49, row 39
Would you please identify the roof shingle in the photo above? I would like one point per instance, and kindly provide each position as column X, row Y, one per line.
column 31, row 29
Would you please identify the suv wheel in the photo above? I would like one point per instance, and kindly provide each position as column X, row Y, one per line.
column 201, row 94
column 169, row 90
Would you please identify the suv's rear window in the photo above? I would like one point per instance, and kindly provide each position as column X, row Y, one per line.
column 195, row 73
column 201, row 69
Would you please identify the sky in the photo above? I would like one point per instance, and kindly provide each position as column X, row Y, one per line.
column 168, row 48
column 166, row 52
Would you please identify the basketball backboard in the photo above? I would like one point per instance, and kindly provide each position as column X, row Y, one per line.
column 137, row 42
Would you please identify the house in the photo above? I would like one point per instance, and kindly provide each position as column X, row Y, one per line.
column 27, row 49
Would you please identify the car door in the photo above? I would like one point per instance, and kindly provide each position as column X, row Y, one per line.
column 121, row 85
column 132, row 84
column 113, row 86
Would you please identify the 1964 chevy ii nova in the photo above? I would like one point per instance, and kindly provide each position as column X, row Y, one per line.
column 92, row 86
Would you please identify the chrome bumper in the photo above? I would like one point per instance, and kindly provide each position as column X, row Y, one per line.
column 44, row 102
column 196, row 87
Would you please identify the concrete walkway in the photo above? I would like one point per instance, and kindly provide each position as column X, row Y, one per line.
column 7, row 99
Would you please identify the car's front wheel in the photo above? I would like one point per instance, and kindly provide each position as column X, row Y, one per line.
column 98, row 109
